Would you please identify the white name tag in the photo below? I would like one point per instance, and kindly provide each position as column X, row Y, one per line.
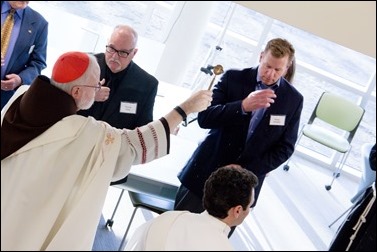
column 277, row 120
column 128, row 107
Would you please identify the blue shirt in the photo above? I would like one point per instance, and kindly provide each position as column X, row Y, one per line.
column 5, row 8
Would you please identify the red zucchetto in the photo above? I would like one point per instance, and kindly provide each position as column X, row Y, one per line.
column 70, row 66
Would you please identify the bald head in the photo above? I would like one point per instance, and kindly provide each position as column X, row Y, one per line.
column 125, row 33
column 121, row 48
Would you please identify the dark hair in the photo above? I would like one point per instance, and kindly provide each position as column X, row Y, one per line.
column 227, row 187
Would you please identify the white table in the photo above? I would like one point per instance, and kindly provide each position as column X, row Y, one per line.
column 165, row 169
column 168, row 96
column 159, row 177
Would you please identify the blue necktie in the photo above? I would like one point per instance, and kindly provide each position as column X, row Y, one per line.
column 257, row 115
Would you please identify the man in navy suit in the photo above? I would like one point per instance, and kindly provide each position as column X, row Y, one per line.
column 253, row 120
column 26, row 54
column 128, row 92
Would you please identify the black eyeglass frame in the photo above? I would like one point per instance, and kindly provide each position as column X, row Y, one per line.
column 121, row 53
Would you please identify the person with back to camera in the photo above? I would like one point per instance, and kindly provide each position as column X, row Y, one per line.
column 253, row 120
column 228, row 195
column 24, row 57
column 358, row 230
column 128, row 94
column 56, row 166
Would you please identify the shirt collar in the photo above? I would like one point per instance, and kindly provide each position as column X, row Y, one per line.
column 6, row 7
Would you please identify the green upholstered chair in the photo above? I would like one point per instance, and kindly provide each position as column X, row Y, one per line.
column 335, row 112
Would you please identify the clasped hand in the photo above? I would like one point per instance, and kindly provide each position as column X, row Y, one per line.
column 104, row 93
column 258, row 99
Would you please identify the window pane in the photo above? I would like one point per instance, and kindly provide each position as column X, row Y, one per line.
column 326, row 55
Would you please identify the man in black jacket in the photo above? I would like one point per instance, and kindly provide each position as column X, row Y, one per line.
column 128, row 92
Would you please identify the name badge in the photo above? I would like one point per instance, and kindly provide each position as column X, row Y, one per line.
column 128, row 107
column 277, row 120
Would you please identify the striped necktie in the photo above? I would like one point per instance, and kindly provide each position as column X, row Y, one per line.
column 6, row 31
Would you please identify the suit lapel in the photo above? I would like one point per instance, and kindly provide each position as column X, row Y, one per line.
column 250, row 82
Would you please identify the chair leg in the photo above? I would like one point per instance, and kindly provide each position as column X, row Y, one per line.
column 328, row 187
column 286, row 166
column 337, row 171
column 110, row 222
column 332, row 223
column 342, row 162
column 122, row 243
column 334, row 176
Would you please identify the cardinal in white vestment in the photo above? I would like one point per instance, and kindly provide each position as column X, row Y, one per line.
column 56, row 166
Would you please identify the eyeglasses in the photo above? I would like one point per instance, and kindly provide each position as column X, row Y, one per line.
column 122, row 54
column 97, row 88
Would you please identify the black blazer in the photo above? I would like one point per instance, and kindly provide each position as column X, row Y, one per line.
column 267, row 149
column 132, row 85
